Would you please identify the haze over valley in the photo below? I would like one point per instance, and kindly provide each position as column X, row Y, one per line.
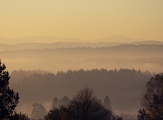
column 119, row 70
column 81, row 60
column 63, row 56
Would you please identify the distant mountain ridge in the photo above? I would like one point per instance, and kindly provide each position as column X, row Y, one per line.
column 35, row 39
column 34, row 42
column 117, row 38
column 149, row 42
column 52, row 39
column 55, row 45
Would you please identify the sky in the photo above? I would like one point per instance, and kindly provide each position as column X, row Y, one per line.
column 83, row 19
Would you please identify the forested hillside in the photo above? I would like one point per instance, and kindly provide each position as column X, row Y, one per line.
column 63, row 59
column 120, row 50
column 125, row 87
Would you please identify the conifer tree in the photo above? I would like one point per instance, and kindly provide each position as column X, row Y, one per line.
column 8, row 98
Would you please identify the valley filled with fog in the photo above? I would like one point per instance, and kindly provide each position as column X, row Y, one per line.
column 81, row 60
column 41, row 71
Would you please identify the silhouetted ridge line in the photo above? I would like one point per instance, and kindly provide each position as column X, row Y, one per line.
column 119, row 47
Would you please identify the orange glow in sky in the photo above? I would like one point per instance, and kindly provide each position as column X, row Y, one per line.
column 83, row 19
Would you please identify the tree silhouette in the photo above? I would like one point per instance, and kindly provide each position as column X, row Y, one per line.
column 142, row 115
column 38, row 111
column 64, row 101
column 61, row 113
column 8, row 98
column 107, row 103
column 55, row 103
column 85, row 106
column 22, row 116
column 153, row 98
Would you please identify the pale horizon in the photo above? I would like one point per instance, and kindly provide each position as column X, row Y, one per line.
column 53, row 39
column 85, row 20
column 113, row 36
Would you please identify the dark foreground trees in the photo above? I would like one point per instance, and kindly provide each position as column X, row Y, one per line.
column 152, row 101
column 8, row 98
column 21, row 116
column 61, row 113
column 84, row 106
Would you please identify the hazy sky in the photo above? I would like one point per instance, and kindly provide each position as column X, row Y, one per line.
column 84, row 19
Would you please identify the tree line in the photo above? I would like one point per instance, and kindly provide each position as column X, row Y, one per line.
column 85, row 105
column 120, row 48
column 103, row 82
